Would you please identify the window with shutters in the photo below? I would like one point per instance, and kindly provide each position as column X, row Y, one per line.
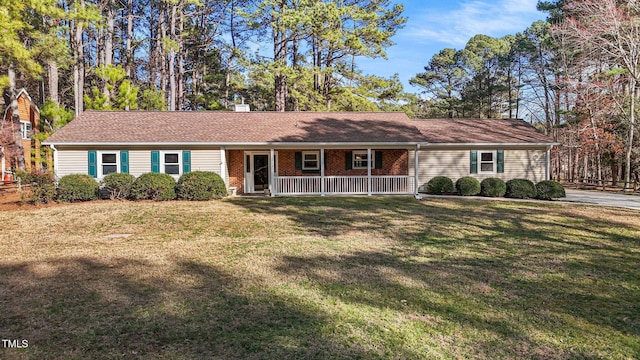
column 171, row 163
column 108, row 162
column 360, row 160
column 486, row 162
column 310, row 160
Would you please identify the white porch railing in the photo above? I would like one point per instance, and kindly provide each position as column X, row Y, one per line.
column 298, row 185
column 353, row 185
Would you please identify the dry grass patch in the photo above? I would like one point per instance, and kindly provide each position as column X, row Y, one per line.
column 295, row 278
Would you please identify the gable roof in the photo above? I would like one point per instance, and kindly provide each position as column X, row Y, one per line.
column 480, row 131
column 29, row 102
column 221, row 127
column 228, row 128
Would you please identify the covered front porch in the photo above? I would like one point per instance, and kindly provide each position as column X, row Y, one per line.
column 321, row 171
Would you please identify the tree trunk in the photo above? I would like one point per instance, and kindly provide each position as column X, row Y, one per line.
column 172, row 61
column 280, row 79
column 181, row 55
column 632, row 129
column 162, row 34
column 78, row 65
column 129, row 52
column 52, row 70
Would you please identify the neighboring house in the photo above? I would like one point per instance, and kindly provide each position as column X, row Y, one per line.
column 29, row 125
column 299, row 153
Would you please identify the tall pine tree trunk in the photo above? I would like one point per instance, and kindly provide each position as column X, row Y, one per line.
column 78, row 65
column 129, row 52
column 280, row 59
column 172, row 60
column 53, row 77
column 162, row 34
column 108, row 46
column 632, row 128
column 181, row 55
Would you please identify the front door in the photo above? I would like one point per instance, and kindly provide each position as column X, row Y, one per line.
column 260, row 172
column 257, row 171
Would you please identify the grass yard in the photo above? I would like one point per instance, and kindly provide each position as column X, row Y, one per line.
column 318, row 278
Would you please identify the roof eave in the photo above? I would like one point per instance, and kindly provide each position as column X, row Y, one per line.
column 492, row 144
column 232, row 144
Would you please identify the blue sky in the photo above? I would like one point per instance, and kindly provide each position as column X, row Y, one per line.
column 433, row 25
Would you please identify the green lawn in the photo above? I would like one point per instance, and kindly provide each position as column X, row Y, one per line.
column 318, row 278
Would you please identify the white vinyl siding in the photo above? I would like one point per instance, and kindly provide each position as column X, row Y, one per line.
column 455, row 163
column 76, row 161
column 72, row 162
column 206, row 160
column 139, row 162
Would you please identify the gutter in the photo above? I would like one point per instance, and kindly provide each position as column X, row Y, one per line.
column 248, row 144
column 487, row 144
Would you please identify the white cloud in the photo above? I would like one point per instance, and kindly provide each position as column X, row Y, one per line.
column 454, row 27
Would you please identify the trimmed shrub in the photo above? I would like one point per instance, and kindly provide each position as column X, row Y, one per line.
column 548, row 189
column 468, row 186
column 77, row 187
column 154, row 186
column 492, row 187
column 440, row 185
column 520, row 189
column 118, row 185
column 28, row 177
column 40, row 190
column 200, row 185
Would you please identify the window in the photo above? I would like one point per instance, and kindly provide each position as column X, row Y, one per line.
column 310, row 160
column 25, row 129
column 360, row 160
column 171, row 163
column 108, row 163
column 487, row 162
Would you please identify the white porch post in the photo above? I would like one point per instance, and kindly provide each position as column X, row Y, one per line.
column 321, row 172
column 369, row 171
column 548, row 175
column 272, row 172
column 416, row 165
column 223, row 166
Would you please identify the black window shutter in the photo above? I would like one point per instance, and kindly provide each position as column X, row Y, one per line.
column 348, row 160
column 298, row 160
column 378, row 160
column 325, row 160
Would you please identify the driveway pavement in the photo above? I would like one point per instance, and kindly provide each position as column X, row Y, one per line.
column 603, row 198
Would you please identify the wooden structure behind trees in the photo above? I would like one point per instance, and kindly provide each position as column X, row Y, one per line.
column 29, row 126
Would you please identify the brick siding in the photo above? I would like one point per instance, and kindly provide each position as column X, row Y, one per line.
column 394, row 162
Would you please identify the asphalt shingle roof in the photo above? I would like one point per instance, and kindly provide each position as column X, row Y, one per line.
column 478, row 131
column 220, row 127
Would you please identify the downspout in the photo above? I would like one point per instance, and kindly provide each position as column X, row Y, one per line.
column 55, row 160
